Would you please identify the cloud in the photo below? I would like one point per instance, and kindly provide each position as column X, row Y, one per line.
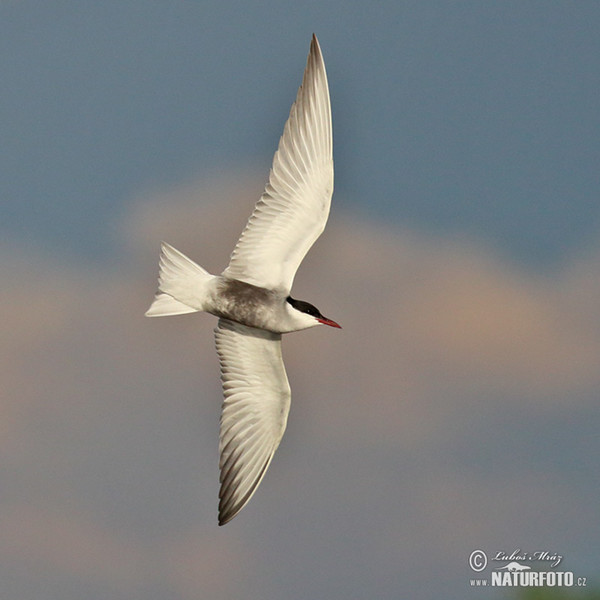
column 447, row 301
column 78, row 548
column 458, row 385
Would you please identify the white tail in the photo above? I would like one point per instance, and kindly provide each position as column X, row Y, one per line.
column 181, row 284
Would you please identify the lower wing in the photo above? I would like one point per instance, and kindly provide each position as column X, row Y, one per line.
column 255, row 410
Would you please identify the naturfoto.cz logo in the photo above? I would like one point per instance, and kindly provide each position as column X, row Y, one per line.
column 516, row 573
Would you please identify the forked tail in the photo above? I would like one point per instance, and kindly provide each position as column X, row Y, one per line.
column 182, row 284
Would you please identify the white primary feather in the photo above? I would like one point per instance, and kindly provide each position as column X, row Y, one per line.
column 255, row 410
column 293, row 210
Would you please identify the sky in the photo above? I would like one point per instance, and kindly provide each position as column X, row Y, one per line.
column 460, row 117
column 456, row 410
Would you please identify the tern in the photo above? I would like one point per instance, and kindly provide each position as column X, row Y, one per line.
column 252, row 297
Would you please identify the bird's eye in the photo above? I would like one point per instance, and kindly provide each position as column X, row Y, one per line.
column 313, row 311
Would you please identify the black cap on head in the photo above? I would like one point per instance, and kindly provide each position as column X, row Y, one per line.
column 305, row 307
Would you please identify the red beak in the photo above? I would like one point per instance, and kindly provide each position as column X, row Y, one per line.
column 329, row 322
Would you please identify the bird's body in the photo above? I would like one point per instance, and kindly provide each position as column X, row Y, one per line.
column 252, row 296
column 250, row 305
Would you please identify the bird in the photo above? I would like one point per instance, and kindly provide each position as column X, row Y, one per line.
column 514, row 566
column 252, row 296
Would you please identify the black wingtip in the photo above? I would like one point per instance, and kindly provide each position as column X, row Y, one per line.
column 224, row 519
column 314, row 43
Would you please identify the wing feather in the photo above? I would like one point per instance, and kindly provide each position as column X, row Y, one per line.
column 255, row 409
column 293, row 210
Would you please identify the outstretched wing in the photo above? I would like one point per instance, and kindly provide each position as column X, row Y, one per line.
column 293, row 210
column 255, row 410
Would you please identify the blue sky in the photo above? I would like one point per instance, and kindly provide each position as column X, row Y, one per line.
column 460, row 118
column 456, row 410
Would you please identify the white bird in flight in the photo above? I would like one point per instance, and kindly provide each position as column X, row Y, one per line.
column 252, row 295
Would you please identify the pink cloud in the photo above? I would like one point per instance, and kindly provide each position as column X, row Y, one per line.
column 97, row 399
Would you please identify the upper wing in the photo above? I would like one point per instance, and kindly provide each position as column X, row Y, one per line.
column 293, row 210
column 255, row 410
